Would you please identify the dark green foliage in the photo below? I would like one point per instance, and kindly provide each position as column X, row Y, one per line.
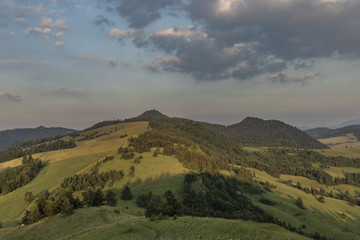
column 269, row 133
column 299, row 203
column 137, row 160
column 84, row 181
column 143, row 199
column 32, row 147
column 217, row 196
column 267, row 202
column 16, row 177
column 132, row 171
column 321, row 199
column 110, row 198
column 126, row 194
column 162, row 207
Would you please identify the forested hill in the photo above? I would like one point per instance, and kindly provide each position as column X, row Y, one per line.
column 329, row 133
column 14, row 136
column 267, row 132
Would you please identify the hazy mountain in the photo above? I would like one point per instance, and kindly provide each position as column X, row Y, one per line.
column 328, row 132
column 14, row 136
column 268, row 132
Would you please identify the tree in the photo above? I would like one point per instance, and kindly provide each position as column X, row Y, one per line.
column 299, row 203
column 98, row 198
column 28, row 197
column 132, row 171
column 321, row 199
column 173, row 206
column 126, row 194
column 110, row 198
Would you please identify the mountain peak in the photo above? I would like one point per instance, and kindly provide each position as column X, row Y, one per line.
column 151, row 114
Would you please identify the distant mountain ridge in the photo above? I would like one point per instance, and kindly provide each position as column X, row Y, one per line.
column 14, row 136
column 323, row 132
column 268, row 132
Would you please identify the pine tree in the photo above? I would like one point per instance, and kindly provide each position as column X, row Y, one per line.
column 110, row 198
column 126, row 194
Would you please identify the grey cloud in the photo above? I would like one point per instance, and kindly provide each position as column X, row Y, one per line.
column 100, row 20
column 9, row 98
column 284, row 78
column 140, row 13
column 246, row 38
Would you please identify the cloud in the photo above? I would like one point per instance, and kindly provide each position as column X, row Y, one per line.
column 284, row 78
column 59, row 35
column 21, row 20
column 58, row 24
column 9, row 98
column 100, row 20
column 45, row 32
column 141, row 13
column 11, row 34
column 109, row 62
column 59, row 44
column 85, row 57
column 242, row 38
column 112, row 62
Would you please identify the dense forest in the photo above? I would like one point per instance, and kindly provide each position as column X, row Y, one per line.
column 16, row 177
column 271, row 133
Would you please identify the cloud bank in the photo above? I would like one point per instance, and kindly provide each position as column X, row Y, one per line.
column 242, row 39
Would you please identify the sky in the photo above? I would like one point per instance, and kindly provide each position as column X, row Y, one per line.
column 73, row 63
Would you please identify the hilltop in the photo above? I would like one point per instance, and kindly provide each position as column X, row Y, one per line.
column 15, row 136
column 267, row 132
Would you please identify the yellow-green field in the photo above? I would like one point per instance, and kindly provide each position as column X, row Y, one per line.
column 349, row 140
column 65, row 163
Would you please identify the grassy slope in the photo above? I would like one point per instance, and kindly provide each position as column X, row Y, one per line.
column 318, row 216
column 104, row 223
column 65, row 163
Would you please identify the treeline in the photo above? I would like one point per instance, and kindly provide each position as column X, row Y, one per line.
column 160, row 207
column 84, row 181
column 63, row 201
column 16, row 177
column 32, row 147
column 208, row 195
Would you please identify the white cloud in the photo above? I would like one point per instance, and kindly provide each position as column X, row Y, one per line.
column 117, row 33
column 59, row 35
column 59, row 44
column 59, row 24
column 38, row 31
